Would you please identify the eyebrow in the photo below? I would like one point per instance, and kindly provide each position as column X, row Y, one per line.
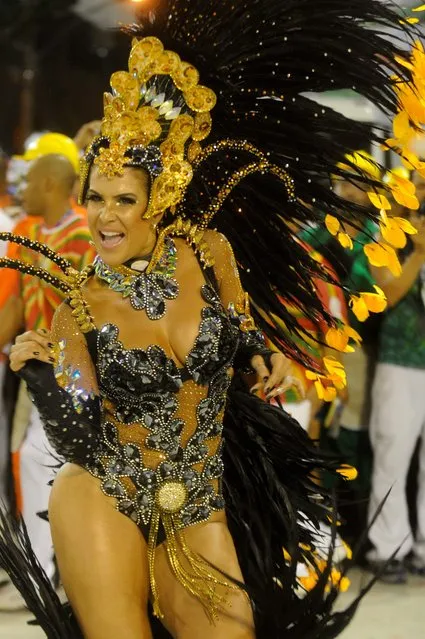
column 115, row 196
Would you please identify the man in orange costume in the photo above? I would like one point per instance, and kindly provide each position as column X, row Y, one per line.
column 27, row 303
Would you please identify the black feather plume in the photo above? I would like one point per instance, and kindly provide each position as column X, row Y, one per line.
column 270, row 490
column 262, row 58
column 18, row 560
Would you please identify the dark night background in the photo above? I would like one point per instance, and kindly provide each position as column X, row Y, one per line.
column 54, row 67
column 55, row 64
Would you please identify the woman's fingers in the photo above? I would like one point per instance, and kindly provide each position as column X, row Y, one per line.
column 288, row 382
column 41, row 336
column 31, row 349
column 262, row 372
column 279, row 380
column 281, row 368
column 22, row 352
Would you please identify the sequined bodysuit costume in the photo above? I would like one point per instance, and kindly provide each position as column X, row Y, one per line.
column 148, row 429
column 161, row 439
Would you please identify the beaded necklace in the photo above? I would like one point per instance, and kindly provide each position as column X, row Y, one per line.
column 146, row 291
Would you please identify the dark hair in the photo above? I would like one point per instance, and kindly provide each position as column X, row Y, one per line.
column 139, row 157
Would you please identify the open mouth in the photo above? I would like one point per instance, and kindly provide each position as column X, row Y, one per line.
column 110, row 239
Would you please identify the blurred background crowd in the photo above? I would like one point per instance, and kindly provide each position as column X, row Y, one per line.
column 56, row 59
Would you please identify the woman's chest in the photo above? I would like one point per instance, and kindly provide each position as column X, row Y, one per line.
column 137, row 355
column 175, row 331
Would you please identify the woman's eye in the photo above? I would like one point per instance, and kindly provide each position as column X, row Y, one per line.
column 126, row 201
column 93, row 198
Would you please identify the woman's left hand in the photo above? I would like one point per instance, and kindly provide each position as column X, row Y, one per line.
column 277, row 380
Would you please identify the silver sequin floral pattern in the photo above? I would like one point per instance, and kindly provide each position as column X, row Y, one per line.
column 144, row 385
column 69, row 378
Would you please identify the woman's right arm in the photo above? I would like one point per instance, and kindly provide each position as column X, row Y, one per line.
column 61, row 381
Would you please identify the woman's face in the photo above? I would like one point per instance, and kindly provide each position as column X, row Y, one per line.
column 115, row 208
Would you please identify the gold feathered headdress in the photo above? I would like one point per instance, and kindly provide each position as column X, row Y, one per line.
column 155, row 118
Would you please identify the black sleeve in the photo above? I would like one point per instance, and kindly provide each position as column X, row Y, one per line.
column 251, row 342
column 71, row 420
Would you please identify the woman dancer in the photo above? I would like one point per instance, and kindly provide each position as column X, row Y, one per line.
column 182, row 488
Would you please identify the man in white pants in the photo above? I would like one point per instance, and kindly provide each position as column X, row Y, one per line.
column 398, row 413
column 47, row 197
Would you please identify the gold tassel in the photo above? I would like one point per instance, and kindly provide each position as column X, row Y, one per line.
column 201, row 580
column 152, row 543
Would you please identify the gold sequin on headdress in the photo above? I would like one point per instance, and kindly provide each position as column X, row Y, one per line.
column 139, row 116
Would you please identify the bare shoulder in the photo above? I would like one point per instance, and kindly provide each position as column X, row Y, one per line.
column 64, row 322
column 219, row 245
column 187, row 261
column 63, row 311
column 215, row 237
column 92, row 286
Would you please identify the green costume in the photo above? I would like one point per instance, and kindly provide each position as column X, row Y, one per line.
column 402, row 334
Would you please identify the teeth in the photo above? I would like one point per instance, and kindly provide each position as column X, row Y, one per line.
column 108, row 234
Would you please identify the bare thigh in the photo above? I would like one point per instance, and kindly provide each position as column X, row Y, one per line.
column 102, row 558
column 184, row 615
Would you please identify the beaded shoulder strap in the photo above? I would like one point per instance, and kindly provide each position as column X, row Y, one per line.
column 194, row 236
column 69, row 282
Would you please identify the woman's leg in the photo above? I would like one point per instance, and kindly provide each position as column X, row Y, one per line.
column 102, row 559
column 184, row 615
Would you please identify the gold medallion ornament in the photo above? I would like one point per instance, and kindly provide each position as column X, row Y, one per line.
column 171, row 496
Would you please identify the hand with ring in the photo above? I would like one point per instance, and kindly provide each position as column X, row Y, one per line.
column 276, row 381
